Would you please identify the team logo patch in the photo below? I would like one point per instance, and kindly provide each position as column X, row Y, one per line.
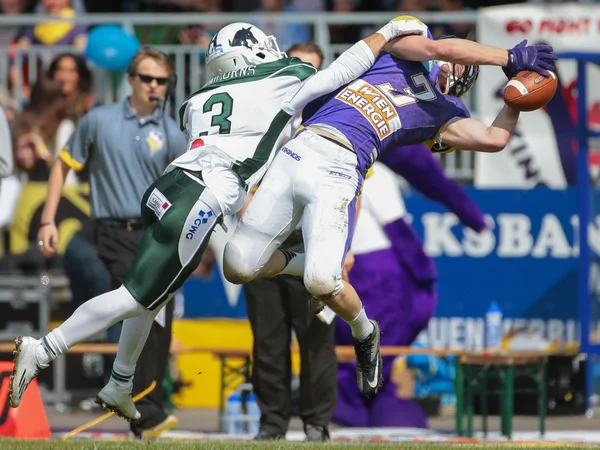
column 201, row 219
column 156, row 141
column 372, row 104
column 158, row 203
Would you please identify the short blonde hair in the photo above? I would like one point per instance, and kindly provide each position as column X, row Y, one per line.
column 154, row 54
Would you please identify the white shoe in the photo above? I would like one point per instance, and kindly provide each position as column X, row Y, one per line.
column 117, row 398
column 26, row 368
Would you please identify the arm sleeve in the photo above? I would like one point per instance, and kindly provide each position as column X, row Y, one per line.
column 424, row 172
column 77, row 150
column 6, row 151
column 350, row 65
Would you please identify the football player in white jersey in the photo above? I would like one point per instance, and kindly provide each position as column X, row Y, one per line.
column 234, row 125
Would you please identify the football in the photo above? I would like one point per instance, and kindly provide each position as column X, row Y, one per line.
column 528, row 90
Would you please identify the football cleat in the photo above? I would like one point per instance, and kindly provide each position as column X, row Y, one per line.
column 25, row 369
column 117, row 398
column 368, row 362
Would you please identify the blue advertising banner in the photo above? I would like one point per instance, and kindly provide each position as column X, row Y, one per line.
column 526, row 262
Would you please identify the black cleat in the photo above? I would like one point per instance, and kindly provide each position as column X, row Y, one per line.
column 368, row 362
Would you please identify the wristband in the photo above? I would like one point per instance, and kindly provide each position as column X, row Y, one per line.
column 386, row 32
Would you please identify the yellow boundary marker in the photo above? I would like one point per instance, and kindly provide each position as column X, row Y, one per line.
column 102, row 418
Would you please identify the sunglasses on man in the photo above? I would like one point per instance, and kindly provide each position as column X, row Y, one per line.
column 147, row 79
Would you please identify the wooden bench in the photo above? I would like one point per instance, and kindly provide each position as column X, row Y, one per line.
column 473, row 370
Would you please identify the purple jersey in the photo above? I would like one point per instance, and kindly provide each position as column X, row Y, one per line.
column 394, row 103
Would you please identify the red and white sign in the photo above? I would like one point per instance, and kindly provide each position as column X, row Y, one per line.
column 544, row 146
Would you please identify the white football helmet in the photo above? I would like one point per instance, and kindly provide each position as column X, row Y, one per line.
column 239, row 45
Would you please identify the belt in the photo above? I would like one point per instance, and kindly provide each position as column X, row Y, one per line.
column 128, row 224
column 330, row 137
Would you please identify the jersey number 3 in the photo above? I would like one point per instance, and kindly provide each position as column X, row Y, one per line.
column 223, row 102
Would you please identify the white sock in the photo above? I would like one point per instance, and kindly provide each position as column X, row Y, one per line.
column 295, row 265
column 93, row 317
column 361, row 326
column 134, row 334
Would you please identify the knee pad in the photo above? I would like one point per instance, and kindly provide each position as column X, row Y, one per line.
column 235, row 268
column 323, row 286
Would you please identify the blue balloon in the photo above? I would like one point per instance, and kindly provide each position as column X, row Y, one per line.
column 111, row 47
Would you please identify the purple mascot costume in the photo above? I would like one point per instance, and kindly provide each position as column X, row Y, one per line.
column 395, row 279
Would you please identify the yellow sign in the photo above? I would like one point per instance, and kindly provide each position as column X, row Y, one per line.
column 73, row 209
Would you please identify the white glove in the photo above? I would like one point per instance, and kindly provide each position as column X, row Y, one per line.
column 403, row 26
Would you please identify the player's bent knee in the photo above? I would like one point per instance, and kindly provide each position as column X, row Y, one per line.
column 323, row 286
column 235, row 268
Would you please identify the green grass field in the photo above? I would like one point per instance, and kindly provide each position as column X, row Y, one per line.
column 85, row 444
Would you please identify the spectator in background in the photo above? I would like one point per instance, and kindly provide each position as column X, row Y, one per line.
column 345, row 34
column 32, row 159
column 275, row 307
column 72, row 71
column 10, row 33
column 47, row 114
column 200, row 35
column 309, row 6
column 46, row 111
column 287, row 34
column 460, row 30
column 77, row 5
column 55, row 33
column 45, row 34
column 412, row 6
column 29, row 165
column 164, row 5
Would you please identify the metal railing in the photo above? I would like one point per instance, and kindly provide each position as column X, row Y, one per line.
column 27, row 63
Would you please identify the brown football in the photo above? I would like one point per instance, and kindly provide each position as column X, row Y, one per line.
column 528, row 90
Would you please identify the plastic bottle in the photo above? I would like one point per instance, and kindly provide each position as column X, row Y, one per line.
column 493, row 327
column 253, row 414
column 233, row 414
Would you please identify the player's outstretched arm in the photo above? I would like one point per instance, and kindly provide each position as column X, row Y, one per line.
column 471, row 134
column 539, row 58
column 353, row 62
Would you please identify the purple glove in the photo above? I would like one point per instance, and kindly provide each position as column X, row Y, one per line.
column 538, row 58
